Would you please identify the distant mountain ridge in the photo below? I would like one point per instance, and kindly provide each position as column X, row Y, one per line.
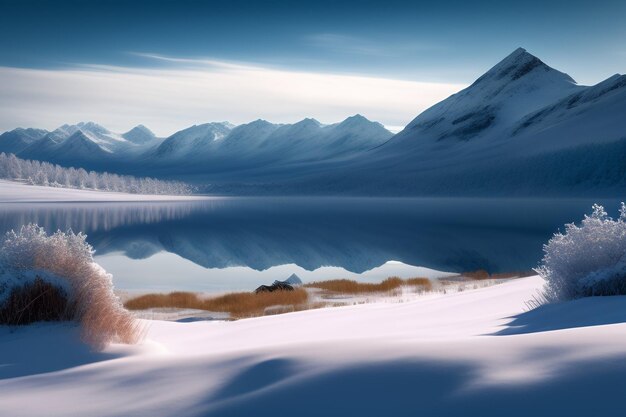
column 224, row 145
column 19, row 139
column 261, row 140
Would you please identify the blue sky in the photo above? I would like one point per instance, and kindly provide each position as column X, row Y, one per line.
column 446, row 43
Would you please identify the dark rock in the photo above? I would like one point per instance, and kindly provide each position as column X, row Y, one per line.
column 276, row 286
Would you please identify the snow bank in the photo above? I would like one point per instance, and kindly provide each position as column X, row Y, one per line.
column 11, row 191
column 435, row 357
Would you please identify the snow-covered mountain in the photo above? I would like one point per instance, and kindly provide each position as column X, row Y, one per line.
column 193, row 141
column 19, row 139
column 77, row 147
column 42, row 149
column 260, row 141
column 139, row 135
column 521, row 128
column 309, row 140
column 99, row 135
column 515, row 87
column 86, row 144
column 247, row 137
column 204, row 151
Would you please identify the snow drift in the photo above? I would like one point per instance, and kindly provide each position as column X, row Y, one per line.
column 445, row 355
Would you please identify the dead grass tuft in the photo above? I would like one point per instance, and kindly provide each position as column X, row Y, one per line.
column 346, row 286
column 36, row 301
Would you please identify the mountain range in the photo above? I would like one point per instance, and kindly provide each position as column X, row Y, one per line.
column 520, row 128
column 200, row 149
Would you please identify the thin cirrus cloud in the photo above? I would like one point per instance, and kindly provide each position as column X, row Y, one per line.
column 193, row 91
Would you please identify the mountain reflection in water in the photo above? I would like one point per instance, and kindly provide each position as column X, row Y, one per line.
column 356, row 234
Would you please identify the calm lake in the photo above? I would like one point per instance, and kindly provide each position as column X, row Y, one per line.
column 239, row 243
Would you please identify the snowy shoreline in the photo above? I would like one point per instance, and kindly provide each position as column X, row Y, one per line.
column 17, row 192
column 476, row 352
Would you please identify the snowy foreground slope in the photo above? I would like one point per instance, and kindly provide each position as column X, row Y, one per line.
column 473, row 353
column 12, row 192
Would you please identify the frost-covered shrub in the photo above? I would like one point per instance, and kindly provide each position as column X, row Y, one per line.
column 586, row 260
column 65, row 260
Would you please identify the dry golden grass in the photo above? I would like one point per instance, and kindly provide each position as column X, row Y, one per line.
column 242, row 304
column 424, row 283
column 482, row 274
column 478, row 274
column 249, row 304
column 171, row 300
column 346, row 286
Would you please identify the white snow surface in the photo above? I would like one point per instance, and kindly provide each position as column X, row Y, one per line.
column 470, row 353
column 14, row 192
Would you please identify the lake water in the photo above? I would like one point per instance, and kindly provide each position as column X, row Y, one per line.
column 239, row 243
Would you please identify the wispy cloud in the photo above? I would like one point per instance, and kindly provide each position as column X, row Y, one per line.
column 192, row 91
column 189, row 63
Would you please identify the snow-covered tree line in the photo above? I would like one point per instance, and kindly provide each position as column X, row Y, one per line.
column 47, row 174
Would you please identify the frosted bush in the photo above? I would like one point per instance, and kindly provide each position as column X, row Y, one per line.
column 586, row 260
column 66, row 260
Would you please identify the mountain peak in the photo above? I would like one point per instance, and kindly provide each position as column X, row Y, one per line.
column 293, row 280
column 356, row 120
column 139, row 135
column 518, row 64
column 92, row 127
column 308, row 124
column 309, row 121
column 141, row 127
column 516, row 86
column 361, row 124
